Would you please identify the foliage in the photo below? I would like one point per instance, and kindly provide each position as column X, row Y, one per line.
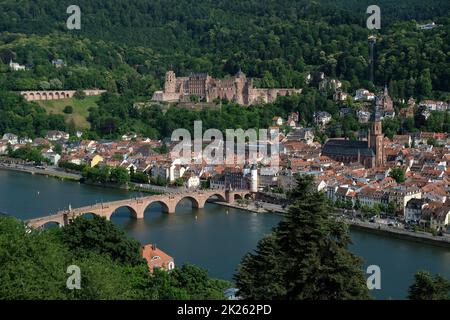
column 34, row 264
column 139, row 177
column 80, row 95
column 106, row 174
column 28, row 153
column 398, row 174
column 101, row 236
column 428, row 287
column 26, row 119
column 68, row 110
column 127, row 49
column 71, row 166
column 305, row 257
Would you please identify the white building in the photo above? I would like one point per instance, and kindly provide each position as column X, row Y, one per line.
column 364, row 94
column 52, row 156
column 11, row 138
column 413, row 210
column 15, row 66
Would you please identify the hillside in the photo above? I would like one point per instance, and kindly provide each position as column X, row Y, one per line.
column 126, row 47
column 80, row 110
column 129, row 46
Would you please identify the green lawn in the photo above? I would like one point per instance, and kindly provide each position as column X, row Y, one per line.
column 80, row 109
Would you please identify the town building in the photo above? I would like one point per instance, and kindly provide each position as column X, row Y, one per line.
column 413, row 210
column 364, row 95
column 322, row 118
column 156, row 258
column 15, row 66
column 400, row 195
column 58, row 63
column 370, row 153
column 384, row 101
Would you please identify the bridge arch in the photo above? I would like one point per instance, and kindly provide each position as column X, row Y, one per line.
column 87, row 215
column 196, row 203
column 115, row 212
column 237, row 196
column 165, row 207
column 218, row 196
column 50, row 224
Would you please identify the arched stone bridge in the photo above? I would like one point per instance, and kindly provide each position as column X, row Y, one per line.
column 56, row 94
column 137, row 206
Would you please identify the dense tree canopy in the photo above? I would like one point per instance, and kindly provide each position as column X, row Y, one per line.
column 305, row 257
column 428, row 287
column 34, row 264
column 127, row 49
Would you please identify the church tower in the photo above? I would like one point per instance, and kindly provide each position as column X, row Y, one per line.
column 375, row 141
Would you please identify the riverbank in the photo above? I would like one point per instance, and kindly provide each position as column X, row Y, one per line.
column 44, row 172
column 417, row 236
column 265, row 208
column 63, row 175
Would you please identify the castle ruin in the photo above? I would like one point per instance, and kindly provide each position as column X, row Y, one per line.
column 237, row 88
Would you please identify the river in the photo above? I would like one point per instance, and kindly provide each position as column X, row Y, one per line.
column 215, row 237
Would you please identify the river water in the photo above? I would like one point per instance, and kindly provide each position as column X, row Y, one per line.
column 215, row 237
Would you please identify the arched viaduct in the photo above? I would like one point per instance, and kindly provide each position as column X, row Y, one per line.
column 56, row 94
column 137, row 206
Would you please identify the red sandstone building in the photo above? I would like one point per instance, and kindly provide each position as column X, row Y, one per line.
column 237, row 88
column 157, row 258
column 369, row 153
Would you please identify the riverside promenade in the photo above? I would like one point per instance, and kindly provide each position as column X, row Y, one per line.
column 49, row 172
column 418, row 236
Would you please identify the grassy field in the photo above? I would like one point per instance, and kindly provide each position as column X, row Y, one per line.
column 80, row 109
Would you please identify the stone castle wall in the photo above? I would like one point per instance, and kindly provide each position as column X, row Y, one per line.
column 238, row 88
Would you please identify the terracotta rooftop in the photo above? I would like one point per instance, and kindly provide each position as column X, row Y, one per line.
column 157, row 258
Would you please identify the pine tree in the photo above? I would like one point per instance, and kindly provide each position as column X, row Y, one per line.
column 427, row 287
column 305, row 257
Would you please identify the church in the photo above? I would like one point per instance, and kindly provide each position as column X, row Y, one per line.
column 369, row 153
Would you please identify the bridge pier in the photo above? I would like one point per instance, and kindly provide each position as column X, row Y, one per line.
column 170, row 207
column 137, row 206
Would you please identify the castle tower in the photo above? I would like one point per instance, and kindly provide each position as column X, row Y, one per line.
column 171, row 82
column 375, row 141
column 240, row 83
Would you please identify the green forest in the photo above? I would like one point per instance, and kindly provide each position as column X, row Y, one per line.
column 110, row 262
column 126, row 48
